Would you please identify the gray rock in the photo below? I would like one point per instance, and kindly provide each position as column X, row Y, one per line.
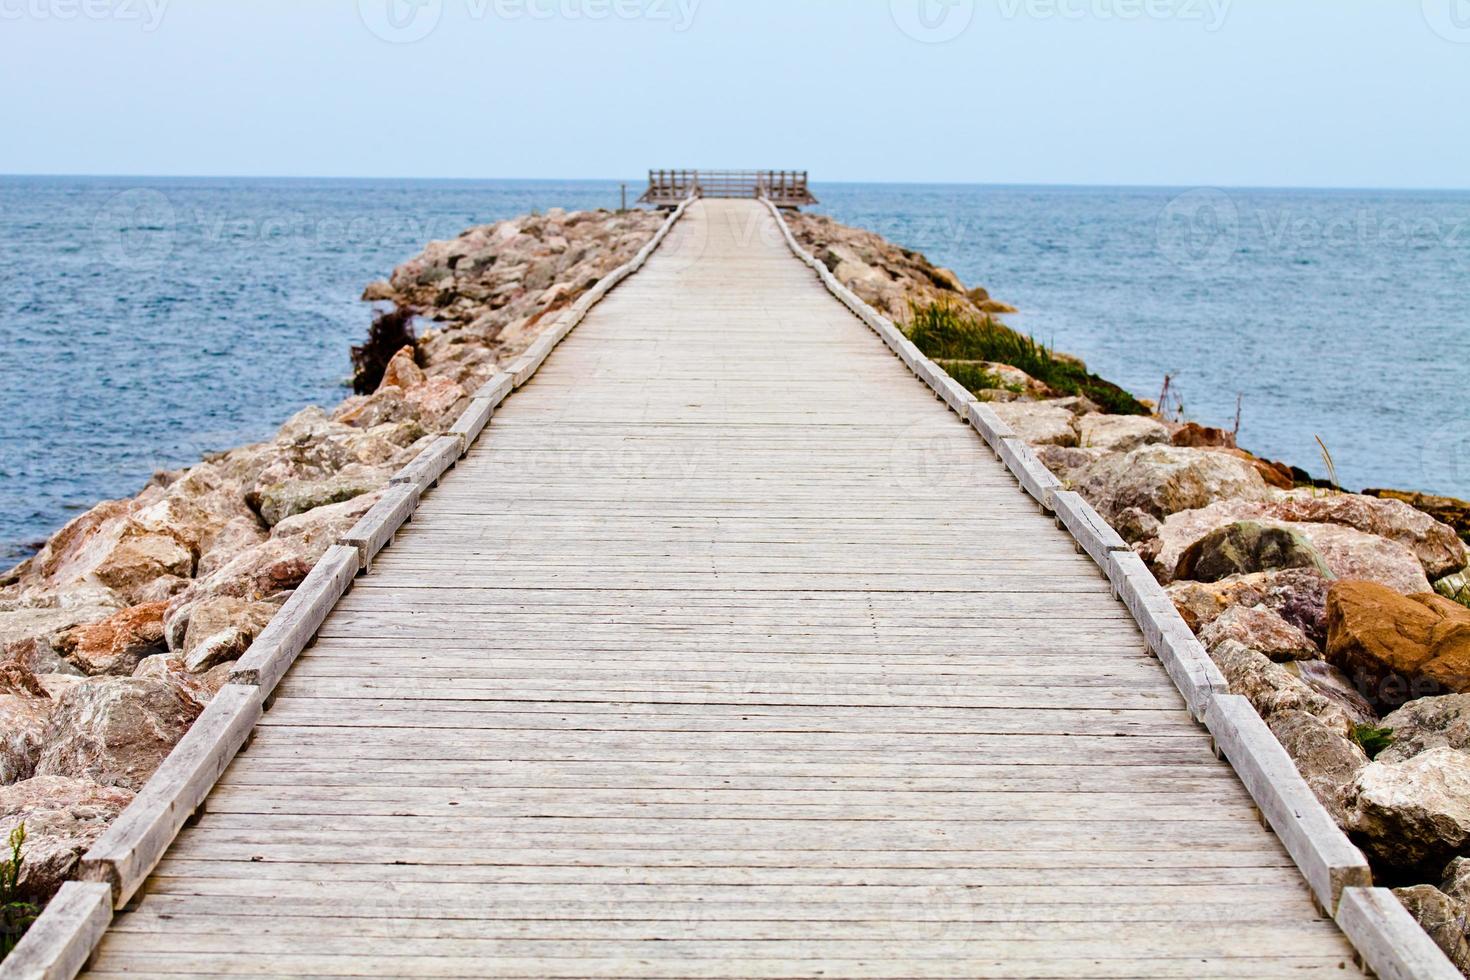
column 1163, row 480
column 1120, row 433
column 1244, row 548
column 1443, row 918
column 1039, row 423
column 282, row 500
column 1456, row 881
column 1327, row 759
column 1413, row 816
column 114, row 731
column 1428, row 723
column 1336, row 687
column 1271, row 688
column 63, row 819
column 1263, row 630
column 221, row 629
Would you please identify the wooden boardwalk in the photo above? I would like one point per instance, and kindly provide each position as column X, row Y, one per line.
column 727, row 652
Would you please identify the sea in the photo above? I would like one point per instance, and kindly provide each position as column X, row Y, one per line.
column 146, row 321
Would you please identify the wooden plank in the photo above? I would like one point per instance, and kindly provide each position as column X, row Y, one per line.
column 371, row 534
column 1165, row 632
column 293, row 627
column 472, row 422
column 1388, row 939
column 437, row 458
column 1328, row 860
column 57, row 945
column 127, row 852
column 1034, row 478
column 1093, row 534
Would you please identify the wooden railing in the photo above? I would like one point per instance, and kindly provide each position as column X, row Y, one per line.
column 783, row 188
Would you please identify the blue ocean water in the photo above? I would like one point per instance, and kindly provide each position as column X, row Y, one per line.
column 145, row 321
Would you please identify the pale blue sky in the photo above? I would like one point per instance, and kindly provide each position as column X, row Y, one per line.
column 1356, row 93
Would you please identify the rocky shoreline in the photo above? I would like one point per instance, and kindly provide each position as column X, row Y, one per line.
column 1330, row 611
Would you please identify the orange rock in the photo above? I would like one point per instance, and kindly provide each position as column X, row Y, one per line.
column 118, row 643
column 435, row 398
column 1196, row 436
column 403, row 372
column 1398, row 648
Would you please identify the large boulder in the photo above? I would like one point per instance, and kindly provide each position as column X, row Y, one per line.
column 1263, row 630
column 1432, row 544
column 1354, row 554
column 1436, row 546
column 1120, row 433
column 115, row 731
column 319, row 527
column 137, row 559
column 1298, row 596
column 1246, row 547
column 221, row 629
column 282, row 500
column 402, row 371
column 1398, row 648
column 1067, row 463
column 436, row 401
column 1039, row 423
column 25, row 709
column 197, row 508
column 63, row 819
column 1446, row 510
column 1412, row 816
column 1443, row 918
column 29, row 633
column 1326, row 758
column 1333, row 549
column 1428, row 723
column 1272, row 689
column 117, row 643
column 1336, row 687
column 1164, row 480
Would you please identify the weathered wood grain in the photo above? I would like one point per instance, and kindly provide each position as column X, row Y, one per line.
column 1034, row 478
column 125, row 855
column 1328, row 860
column 1389, row 941
column 1092, row 533
column 371, row 534
column 437, row 458
column 58, row 943
column 291, row 629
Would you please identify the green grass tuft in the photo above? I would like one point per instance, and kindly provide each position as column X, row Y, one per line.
column 974, row 377
column 15, row 916
column 944, row 332
column 1372, row 739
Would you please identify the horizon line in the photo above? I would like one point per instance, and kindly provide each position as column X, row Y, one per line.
column 814, row 181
